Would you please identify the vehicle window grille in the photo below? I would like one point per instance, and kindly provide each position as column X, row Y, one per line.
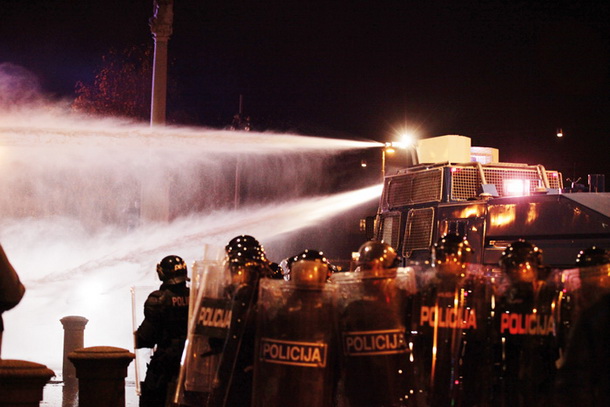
column 465, row 182
column 390, row 230
column 414, row 188
column 428, row 186
column 555, row 180
column 418, row 230
column 496, row 176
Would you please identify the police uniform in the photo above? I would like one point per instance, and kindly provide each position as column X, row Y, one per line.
column 527, row 351
column 526, row 343
column 374, row 335
column 373, row 317
column 452, row 326
column 584, row 378
column 247, row 262
column 164, row 328
column 295, row 363
column 452, row 341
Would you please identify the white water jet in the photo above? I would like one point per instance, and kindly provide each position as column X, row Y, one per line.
column 89, row 206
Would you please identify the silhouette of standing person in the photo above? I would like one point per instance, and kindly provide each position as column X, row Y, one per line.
column 164, row 329
column 11, row 289
column 584, row 376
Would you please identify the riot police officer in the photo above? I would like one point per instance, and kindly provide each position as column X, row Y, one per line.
column 526, row 342
column 374, row 328
column 452, row 331
column 247, row 263
column 217, row 369
column 295, row 353
column 584, row 377
column 582, row 287
column 164, row 328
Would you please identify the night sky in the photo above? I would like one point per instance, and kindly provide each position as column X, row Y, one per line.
column 508, row 74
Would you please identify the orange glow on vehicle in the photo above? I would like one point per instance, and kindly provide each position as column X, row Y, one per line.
column 503, row 216
column 532, row 214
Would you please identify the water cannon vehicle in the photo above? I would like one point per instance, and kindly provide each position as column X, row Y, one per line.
column 457, row 188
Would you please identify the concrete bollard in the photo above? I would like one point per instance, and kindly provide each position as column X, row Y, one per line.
column 74, row 338
column 74, row 328
column 22, row 383
column 101, row 372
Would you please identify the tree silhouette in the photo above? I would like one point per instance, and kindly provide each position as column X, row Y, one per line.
column 122, row 85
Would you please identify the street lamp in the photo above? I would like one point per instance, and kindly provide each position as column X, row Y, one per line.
column 388, row 148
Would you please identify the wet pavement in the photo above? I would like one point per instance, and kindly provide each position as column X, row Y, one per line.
column 53, row 394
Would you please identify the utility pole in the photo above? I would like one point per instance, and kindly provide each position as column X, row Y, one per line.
column 161, row 28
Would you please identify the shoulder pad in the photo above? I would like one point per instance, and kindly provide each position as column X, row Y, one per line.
column 153, row 306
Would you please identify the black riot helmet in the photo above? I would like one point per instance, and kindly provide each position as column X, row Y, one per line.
column 172, row 270
column 374, row 257
column 245, row 247
column 246, row 259
column 307, row 267
column 594, row 265
column 592, row 256
column 522, row 261
column 451, row 254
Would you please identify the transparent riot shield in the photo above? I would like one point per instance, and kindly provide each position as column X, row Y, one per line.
column 451, row 331
column 585, row 286
column 526, row 346
column 294, row 364
column 582, row 287
column 566, row 309
column 233, row 381
column 582, row 377
column 208, row 328
column 475, row 361
column 373, row 324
